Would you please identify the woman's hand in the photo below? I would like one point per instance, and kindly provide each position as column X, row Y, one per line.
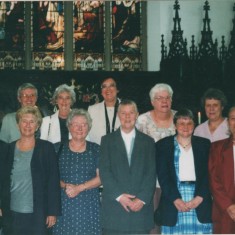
column 231, row 211
column 51, row 220
column 126, row 201
column 181, row 205
column 195, row 202
column 73, row 190
column 62, row 184
column 137, row 205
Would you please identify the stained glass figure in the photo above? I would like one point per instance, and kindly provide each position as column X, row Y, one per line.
column 48, row 35
column 12, row 38
column 88, row 26
column 12, row 26
column 126, row 26
column 88, row 34
column 126, row 39
column 48, row 26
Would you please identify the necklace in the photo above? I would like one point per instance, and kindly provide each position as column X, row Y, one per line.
column 184, row 145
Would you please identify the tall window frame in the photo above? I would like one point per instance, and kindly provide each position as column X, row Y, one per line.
column 69, row 43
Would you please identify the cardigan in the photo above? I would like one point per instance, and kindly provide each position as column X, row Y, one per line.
column 45, row 181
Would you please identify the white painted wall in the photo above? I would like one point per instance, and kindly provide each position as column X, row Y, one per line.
column 160, row 21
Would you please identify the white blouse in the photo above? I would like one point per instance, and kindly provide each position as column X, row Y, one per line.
column 186, row 165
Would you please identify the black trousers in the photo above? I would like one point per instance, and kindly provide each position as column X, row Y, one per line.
column 23, row 224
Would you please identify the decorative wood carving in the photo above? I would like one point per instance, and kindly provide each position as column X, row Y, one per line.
column 204, row 66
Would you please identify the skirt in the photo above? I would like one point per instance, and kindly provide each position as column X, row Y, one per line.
column 187, row 222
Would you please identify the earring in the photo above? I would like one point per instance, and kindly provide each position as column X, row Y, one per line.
column 55, row 109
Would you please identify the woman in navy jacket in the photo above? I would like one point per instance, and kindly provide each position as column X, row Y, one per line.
column 182, row 166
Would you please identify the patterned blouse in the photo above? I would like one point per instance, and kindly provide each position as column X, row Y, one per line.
column 146, row 124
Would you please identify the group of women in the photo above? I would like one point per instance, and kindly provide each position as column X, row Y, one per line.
column 48, row 188
column 58, row 186
column 192, row 169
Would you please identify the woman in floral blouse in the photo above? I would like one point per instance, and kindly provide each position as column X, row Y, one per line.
column 158, row 122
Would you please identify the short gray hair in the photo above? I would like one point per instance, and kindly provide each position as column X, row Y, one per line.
column 158, row 88
column 63, row 88
column 128, row 102
column 25, row 86
column 79, row 112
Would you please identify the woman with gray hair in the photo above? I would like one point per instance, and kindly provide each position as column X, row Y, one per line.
column 27, row 95
column 79, row 179
column 158, row 122
column 54, row 127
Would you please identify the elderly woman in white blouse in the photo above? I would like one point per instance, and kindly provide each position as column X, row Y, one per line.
column 54, row 127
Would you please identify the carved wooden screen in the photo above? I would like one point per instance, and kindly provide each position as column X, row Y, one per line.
column 188, row 66
column 48, row 35
column 12, row 43
column 88, row 35
column 126, row 39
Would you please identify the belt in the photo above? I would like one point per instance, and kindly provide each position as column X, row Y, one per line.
column 187, row 182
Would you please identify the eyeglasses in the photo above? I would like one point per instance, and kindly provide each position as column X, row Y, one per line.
column 161, row 98
column 76, row 124
column 64, row 98
column 27, row 95
column 26, row 122
column 105, row 86
column 185, row 124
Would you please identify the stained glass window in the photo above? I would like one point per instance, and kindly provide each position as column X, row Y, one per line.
column 88, row 35
column 12, row 43
column 126, row 39
column 48, row 35
column 100, row 35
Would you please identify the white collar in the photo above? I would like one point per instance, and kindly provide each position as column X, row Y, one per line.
column 129, row 135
